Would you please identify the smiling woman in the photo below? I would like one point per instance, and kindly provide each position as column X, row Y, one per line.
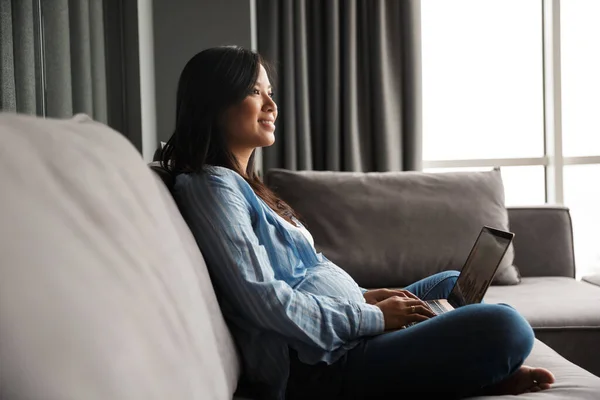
column 251, row 123
column 225, row 111
column 304, row 327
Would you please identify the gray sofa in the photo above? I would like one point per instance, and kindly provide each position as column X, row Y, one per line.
column 105, row 295
column 398, row 213
column 564, row 312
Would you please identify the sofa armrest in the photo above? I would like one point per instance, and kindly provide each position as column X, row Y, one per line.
column 543, row 240
column 593, row 279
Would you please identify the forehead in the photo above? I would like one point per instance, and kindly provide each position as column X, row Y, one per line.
column 263, row 77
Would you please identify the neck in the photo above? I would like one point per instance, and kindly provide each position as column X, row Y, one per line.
column 242, row 158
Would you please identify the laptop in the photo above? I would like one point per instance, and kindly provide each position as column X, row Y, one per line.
column 477, row 272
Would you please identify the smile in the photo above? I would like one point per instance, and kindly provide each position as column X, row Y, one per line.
column 266, row 122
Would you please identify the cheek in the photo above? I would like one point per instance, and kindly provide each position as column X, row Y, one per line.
column 241, row 122
column 249, row 116
column 247, row 119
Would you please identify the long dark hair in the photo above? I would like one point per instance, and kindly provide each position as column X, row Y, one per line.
column 212, row 81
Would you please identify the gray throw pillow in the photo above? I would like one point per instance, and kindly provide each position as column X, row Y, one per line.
column 390, row 229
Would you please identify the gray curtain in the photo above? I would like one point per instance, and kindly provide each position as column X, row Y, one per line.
column 53, row 58
column 348, row 83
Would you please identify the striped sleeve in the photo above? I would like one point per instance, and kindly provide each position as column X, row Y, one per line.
column 219, row 216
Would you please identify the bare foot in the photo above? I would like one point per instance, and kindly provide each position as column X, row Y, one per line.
column 525, row 380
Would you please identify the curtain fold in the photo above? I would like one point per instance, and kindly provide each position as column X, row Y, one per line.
column 57, row 57
column 348, row 83
column 53, row 58
column 98, row 61
column 24, row 57
column 7, row 71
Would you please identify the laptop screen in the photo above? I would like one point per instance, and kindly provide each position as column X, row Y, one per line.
column 480, row 267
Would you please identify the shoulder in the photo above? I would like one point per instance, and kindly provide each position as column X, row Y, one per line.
column 209, row 176
column 214, row 180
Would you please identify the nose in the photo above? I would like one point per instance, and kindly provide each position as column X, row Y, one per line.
column 269, row 105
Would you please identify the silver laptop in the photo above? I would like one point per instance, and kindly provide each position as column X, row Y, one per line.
column 477, row 272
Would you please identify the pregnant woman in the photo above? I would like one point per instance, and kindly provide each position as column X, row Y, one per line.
column 303, row 327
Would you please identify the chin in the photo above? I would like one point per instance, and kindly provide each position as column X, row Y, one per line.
column 267, row 141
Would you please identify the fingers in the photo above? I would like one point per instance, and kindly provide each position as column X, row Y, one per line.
column 411, row 302
column 411, row 295
column 424, row 310
column 403, row 293
column 411, row 306
column 420, row 310
column 406, row 304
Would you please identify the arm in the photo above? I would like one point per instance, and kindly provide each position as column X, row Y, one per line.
column 220, row 217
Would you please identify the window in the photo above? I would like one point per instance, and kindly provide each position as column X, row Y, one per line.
column 580, row 58
column 580, row 63
column 477, row 56
column 496, row 93
column 582, row 194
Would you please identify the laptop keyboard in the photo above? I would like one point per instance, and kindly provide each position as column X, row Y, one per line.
column 436, row 307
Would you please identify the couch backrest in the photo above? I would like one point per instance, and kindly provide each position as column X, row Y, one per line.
column 543, row 240
column 394, row 228
column 103, row 291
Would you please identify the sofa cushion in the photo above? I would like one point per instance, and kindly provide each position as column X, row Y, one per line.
column 552, row 302
column 572, row 382
column 103, row 292
column 564, row 313
column 394, row 228
column 543, row 240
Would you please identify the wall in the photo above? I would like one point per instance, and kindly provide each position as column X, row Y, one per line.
column 182, row 28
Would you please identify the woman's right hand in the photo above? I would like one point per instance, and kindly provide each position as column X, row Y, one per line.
column 401, row 311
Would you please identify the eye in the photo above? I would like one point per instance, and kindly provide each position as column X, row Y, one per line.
column 255, row 91
column 272, row 94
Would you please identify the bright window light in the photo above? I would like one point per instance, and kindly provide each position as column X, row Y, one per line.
column 482, row 79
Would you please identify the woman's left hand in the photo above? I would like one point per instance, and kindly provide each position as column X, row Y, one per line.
column 376, row 295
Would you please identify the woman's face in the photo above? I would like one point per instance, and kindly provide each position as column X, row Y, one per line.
column 251, row 123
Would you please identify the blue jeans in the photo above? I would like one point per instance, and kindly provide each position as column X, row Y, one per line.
column 459, row 353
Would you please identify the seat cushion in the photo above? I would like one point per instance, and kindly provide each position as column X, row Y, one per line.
column 564, row 313
column 552, row 302
column 572, row 382
column 103, row 291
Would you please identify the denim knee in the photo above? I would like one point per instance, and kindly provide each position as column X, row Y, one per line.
column 448, row 277
column 438, row 285
column 448, row 274
column 509, row 330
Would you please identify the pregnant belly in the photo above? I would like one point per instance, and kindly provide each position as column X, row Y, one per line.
column 327, row 279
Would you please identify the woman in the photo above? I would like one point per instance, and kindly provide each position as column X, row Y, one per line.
column 304, row 328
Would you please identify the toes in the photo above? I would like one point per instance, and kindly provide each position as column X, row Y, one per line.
column 542, row 375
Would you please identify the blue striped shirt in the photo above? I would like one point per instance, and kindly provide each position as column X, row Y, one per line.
column 275, row 290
